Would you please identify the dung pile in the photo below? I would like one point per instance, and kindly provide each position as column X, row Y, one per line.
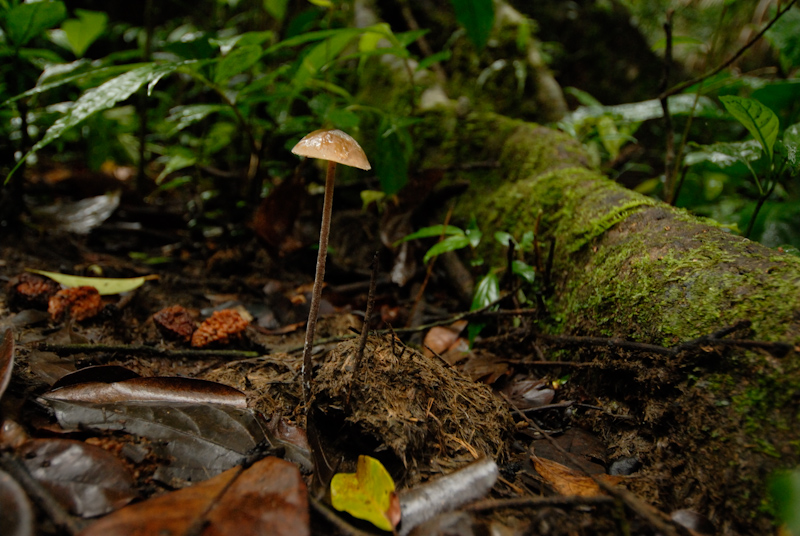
column 415, row 406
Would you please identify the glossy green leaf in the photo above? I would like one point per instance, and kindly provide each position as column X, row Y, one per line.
column 791, row 144
column 84, row 30
column 784, row 489
column 760, row 121
column 23, row 22
column 504, row 238
column 101, row 98
column 477, row 18
column 725, row 154
column 524, row 270
column 367, row 494
column 184, row 116
column 432, row 231
column 451, row 243
column 104, row 285
column 180, row 159
column 486, row 291
column 237, row 61
column 319, row 56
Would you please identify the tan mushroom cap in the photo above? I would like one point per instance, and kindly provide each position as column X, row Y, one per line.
column 333, row 145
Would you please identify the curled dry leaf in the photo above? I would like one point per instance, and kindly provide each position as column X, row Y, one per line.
column 80, row 302
column 220, row 328
column 86, row 479
column 268, row 498
column 6, row 360
column 175, row 323
column 31, row 291
column 440, row 339
column 177, row 390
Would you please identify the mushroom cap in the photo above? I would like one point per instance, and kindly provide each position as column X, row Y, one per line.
column 333, row 145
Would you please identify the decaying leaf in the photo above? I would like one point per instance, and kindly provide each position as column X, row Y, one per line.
column 175, row 323
column 566, row 481
column 81, row 303
column 6, row 359
column 268, row 498
column 367, row 494
column 200, row 440
column 16, row 515
column 86, row 479
column 158, row 389
column 104, row 285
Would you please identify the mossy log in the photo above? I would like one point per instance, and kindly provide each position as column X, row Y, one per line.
column 628, row 266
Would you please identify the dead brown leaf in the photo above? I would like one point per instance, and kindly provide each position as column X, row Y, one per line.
column 566, row 481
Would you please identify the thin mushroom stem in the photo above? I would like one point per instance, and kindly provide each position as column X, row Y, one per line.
column 319, row 277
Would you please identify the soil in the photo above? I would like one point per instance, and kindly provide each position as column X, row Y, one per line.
column 422, row 415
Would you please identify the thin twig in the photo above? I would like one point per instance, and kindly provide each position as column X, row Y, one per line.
column 69, row 349
column 538, row 502
column 683, row 85
column 362, row 341
column 669, row 152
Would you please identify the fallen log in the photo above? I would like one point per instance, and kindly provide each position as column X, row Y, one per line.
column 712, row 424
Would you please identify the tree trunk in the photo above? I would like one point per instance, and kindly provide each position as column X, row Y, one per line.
column 711, row 423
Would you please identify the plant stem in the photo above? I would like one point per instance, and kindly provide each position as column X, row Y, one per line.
column 319, row 277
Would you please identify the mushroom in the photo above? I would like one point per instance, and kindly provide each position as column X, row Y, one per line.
column 334, row 146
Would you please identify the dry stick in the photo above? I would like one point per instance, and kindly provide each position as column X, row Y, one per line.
column 683, row 85
column 424, row 46
column 69, row 349
column 537, row 502
column 319, row 277
column 669, row 153
column 362, row 341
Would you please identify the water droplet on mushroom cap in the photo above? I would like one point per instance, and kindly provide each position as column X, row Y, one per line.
column 333, row 145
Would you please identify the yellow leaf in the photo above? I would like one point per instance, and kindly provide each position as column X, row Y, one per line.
column 367, row 494
column 104, row 285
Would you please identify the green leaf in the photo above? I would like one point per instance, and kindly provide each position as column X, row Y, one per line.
column 181, row 159
column 104, row 285
column 25, row 21
column 725, row 154
column 791, row 141
column 760, row 121
column 444, row 55
column 367, row 494
column 276, row 8
column 784, row 488
column 322, row 3
column 184, row 116
column 101, row 98
column 477, row 18
column 432, row 231
column 451, row 243
column 391, row 163
column 504, row 238
column 487, row 291
column 524, row 270
column 84, row 30
column 237, row 61
column 319, row 56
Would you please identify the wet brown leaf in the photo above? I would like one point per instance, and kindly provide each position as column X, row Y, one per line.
column 175, row 323
column 16, row 514
column 268, row 498
column 564, row 480
column 86, row 479
column 97, row 373
column 200, row 440
column 526, row 394
column 6, row 360
column 158, row 389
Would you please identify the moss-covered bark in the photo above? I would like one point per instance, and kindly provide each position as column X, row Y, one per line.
column 628, row 266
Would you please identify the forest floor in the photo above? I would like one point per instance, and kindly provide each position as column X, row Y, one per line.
column 569, row 463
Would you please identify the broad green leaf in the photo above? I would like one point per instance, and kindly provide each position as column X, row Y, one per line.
column 237, row 61
column 432, row 231
column 524, row 270
column 444, row 55
column 25, row 21
column 369, row 40
column 504, row 238
column 760, row 121
column 391, row 165
column 477, row 18
column 371, row 196
column 791, row 141
column 784, row 488
column 725, row 154
column 84, row 30
column 104, row 285
column 184, row 116
column 487, row 291
column 367, row 494
column 319, row 56
column 101, row 98
column 181, row 159
column 276, row 8
column 322, row 3
column 451, row 243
